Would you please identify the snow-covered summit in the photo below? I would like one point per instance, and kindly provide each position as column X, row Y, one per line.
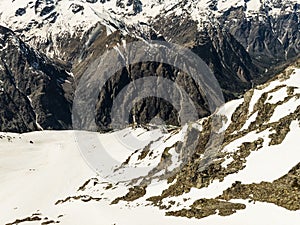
column 43, row 17
column 45, row 24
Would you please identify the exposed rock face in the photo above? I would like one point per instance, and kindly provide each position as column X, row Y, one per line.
column 148, row 108
column 207, row 207
column 284, row 191
column 35, row 92
column 230, row 62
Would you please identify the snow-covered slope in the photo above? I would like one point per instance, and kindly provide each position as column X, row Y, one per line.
column 80, row 13
column 252, row 179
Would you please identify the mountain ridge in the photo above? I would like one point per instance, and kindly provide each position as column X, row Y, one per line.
column 242, row 43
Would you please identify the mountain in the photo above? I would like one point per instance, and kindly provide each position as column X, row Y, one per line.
column 267, row 29
column 243, row 42
column 35, row 91
column 228, row 163
column 232, row 173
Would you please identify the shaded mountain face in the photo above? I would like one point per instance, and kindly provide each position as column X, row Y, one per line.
column 243, row 42
column 35, row 92
column 229, row 61
column 270, row 40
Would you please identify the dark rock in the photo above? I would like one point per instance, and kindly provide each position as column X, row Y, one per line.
column 91, row 1
column 269, row 42
column 35, row 92
column 76, row 8
column 20, row 12
column 47, row 10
